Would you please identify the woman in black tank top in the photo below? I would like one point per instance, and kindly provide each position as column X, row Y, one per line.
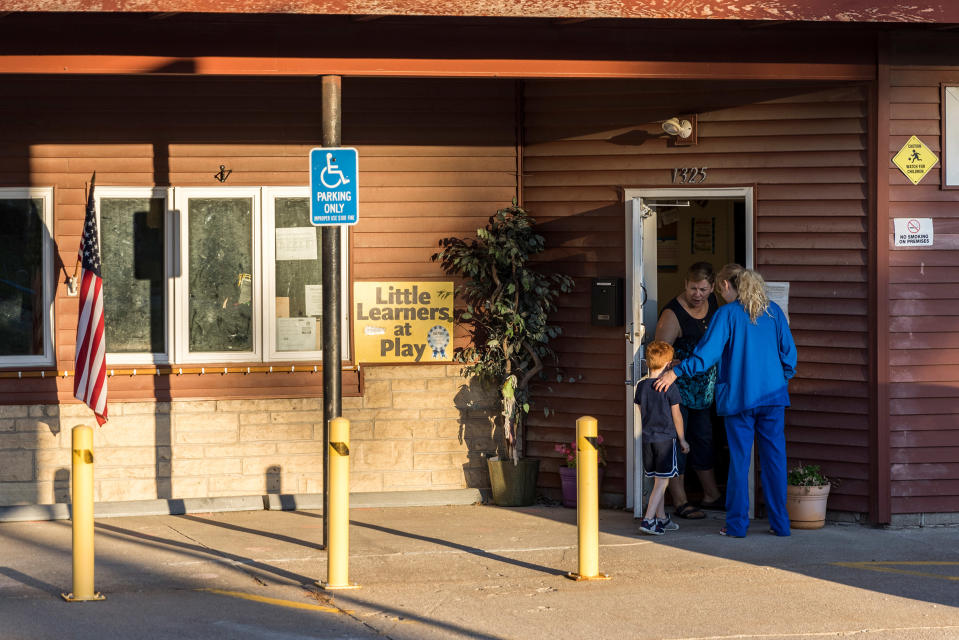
column 682, row 323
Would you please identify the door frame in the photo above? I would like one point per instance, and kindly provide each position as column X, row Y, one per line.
column 640, row 233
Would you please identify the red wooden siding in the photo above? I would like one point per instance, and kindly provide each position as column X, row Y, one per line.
column 804, row 147
column 437, row 158
column 144, row 132
column 923, row 323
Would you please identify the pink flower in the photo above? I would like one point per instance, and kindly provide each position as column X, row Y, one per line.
column 569, row 451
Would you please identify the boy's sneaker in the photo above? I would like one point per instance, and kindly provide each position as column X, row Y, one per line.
column 668, row 524
column 651, row 527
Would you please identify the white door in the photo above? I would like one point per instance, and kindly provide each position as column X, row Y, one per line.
column 642, row 303
column 641, row 300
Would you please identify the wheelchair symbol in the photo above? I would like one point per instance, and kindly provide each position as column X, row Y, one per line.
column 332, row 170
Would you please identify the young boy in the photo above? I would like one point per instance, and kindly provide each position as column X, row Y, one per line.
column 661, row 422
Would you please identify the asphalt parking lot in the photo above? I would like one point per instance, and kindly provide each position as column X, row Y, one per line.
column 478, row 572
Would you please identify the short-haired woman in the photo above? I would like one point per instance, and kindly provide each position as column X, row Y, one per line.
column 683, row 323
column 750, row 340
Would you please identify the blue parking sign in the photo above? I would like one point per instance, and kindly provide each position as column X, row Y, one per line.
column 334, row 173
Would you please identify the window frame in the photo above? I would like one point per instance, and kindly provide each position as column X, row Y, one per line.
column 164, row 193
column 270, row 194
column 181, row 350
column 946, row 141
column 176, row 268
column 46, row 274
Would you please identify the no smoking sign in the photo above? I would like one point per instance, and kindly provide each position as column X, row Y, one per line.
column 913, row 232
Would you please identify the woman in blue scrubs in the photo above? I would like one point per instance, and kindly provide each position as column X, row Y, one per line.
column 750, row 340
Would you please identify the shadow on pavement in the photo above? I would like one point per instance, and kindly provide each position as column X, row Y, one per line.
column 31, row 582
column 391, row 616
column 256, row 532
column 908, row 563
column 446, row 543
column 204, row 551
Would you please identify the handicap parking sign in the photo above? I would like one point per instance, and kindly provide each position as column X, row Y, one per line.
column 333, row 186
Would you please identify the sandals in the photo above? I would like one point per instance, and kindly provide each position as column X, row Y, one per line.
column 688, row 512
column 725, row 532
column 719, row 504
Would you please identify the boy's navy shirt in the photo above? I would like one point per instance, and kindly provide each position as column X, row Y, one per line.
column 657, row 412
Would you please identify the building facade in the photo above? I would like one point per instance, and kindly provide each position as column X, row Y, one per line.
column 198, row 126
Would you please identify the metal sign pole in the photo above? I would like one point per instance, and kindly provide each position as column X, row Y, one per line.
column 332, row 379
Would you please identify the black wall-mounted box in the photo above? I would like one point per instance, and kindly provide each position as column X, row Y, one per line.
column 606, row 308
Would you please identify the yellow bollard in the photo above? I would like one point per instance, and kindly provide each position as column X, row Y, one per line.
column 587, row 500
column 338, row 548
column 82, row 516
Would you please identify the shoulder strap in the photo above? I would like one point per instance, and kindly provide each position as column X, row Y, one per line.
column 681, row 314
column 688, row 325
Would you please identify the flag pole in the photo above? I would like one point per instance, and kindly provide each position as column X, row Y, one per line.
column 72, row 280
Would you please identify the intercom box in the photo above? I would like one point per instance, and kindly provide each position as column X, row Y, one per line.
column 606, row 308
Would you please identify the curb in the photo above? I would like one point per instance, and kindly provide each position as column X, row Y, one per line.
column 269, row 502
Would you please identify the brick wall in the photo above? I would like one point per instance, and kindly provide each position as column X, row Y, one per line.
column 414, row 428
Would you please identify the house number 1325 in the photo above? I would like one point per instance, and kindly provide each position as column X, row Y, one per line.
column 689, row 175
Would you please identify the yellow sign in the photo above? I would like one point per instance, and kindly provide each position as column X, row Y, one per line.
column 915, row 159
column 403, row 321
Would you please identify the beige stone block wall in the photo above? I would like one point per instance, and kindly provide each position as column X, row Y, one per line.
column 416, row 427
column 419, row 427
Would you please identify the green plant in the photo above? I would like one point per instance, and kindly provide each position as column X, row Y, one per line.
column 569, row 452
column 806, row 475
column 507, row 306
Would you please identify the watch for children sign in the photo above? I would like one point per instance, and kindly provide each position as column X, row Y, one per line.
column 403, row 321
column 915, row 160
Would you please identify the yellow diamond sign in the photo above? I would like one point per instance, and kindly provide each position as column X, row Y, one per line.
column 915, row 159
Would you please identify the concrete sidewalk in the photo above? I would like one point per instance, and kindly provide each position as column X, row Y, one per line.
column 478, row 572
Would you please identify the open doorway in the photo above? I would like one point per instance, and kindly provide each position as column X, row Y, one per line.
column 668, row 231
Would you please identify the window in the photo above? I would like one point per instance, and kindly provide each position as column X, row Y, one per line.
column 134, row 228
column 230, row 274
column 26, row 275
column 950, row 137
column 218, row 289
column 294, row 276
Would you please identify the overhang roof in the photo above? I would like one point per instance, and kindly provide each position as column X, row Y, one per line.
column 777, row 10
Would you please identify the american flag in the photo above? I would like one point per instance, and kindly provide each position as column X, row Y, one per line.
column 90, row 383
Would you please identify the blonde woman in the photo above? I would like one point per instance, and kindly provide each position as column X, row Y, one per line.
column 750, row 340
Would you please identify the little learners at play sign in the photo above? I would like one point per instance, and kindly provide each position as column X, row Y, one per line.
column 403, row 321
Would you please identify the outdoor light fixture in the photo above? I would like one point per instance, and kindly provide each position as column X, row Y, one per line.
column 683, row 128
column 677, row 127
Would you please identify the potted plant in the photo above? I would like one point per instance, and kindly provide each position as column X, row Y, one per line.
column 806, row 493
column 567, row 472
column 507, row 308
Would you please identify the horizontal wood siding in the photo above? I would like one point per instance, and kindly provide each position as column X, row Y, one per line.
column 923, row 309
column 804, row 148
column 438, row 157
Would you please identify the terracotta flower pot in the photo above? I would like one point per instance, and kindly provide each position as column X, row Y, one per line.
column 567, row 477
column 806, row 506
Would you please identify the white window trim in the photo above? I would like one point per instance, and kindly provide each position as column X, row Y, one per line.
column 176, row 268
column 269, row 279
column 49, row 287
column 168, row 260
column 181, row 304
column 950, row 137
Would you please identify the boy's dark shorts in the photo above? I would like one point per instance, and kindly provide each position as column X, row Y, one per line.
column 659, row 459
